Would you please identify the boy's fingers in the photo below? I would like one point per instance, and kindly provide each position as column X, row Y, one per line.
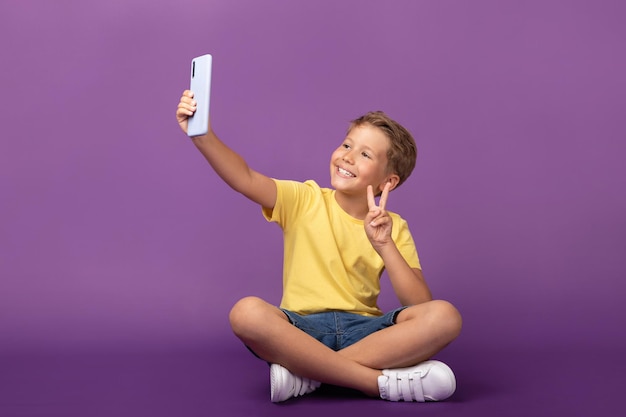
column 370, row 197
column 187, row 104
column 188, row 100
column 383, row 197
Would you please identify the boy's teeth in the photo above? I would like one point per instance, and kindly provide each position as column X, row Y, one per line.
column 344, row 172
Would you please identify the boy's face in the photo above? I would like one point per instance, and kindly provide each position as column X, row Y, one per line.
column 361, row 160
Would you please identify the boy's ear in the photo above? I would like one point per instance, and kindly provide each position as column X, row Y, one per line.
column 394, row 179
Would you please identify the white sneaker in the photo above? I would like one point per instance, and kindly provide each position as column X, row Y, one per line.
column 284, row 384
column 428, row 381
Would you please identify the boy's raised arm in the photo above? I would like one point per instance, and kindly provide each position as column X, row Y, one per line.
column 408, row 283
column 229, row 165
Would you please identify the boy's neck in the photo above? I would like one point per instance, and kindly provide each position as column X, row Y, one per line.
column 355, row 205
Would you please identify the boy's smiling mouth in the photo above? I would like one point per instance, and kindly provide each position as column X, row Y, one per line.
column 345, row 173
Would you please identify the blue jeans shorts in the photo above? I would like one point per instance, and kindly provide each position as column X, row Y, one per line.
column 338, row 329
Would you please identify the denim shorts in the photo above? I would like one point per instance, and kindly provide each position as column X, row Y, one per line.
column 338, row 329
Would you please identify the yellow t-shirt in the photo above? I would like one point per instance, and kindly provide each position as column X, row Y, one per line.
column 329, row 263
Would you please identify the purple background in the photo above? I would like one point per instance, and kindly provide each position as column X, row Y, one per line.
column 117, row 239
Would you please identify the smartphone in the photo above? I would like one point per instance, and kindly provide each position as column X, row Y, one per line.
column 200, row 85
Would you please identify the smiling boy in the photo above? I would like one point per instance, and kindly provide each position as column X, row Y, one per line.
column 337, row 242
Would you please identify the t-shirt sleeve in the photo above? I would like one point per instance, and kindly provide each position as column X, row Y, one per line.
column 292, row 199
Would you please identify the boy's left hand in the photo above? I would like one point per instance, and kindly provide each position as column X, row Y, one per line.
column 377, row 222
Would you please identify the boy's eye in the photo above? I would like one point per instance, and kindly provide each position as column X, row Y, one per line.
column 346, row 146
column 365, row 154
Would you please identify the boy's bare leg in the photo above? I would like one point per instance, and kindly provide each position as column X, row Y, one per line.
column 266, row 330
column 420, row 332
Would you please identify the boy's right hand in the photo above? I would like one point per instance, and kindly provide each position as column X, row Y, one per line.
column 186, row 109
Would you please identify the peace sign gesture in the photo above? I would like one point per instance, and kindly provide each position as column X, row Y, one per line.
column 377, row 222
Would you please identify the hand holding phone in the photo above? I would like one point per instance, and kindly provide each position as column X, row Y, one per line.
column 200, row 85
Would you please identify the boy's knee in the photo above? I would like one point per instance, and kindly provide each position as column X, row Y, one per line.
column 243, row 309
column 245, row 314
column 437, row 314
column 448, row 316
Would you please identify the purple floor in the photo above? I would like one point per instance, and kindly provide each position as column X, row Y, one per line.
column 229, row 381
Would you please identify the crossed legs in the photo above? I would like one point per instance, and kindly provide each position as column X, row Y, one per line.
column 420, row 332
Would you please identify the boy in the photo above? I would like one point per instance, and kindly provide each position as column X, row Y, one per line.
column 337, row 243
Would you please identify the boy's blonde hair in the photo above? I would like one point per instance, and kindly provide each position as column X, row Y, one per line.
column 402, row 152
